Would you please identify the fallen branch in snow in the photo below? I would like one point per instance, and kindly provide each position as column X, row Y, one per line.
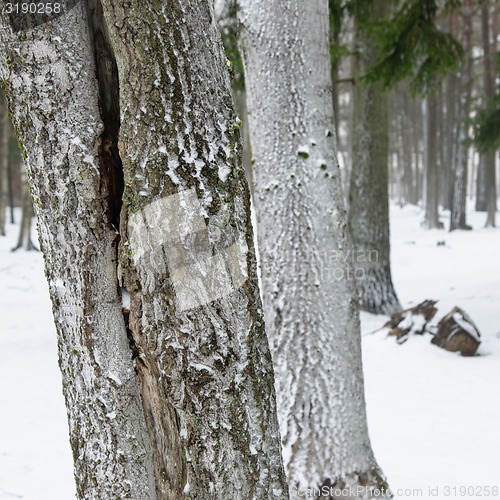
column 411, row 321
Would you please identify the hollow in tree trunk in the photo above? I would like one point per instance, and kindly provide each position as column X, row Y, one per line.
column 125, row 113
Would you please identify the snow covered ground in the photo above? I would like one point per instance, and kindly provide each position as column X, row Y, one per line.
column 434, row 416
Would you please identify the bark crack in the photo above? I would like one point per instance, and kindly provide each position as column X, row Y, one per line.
column 112, row 180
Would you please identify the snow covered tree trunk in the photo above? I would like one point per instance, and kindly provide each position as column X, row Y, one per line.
column 168, row 384
column 310, row 298
column 368, row 194
column 458, row 207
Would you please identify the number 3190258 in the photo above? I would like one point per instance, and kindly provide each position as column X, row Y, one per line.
column 32, row 8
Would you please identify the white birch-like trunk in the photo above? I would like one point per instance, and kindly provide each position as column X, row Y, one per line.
column 310, row 298
column 170, row 392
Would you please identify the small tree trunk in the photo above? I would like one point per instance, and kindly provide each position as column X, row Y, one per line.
column 416, row 118
column 24, row 238
column 406, row 131
column 451, row 138
column 481, row 184
column 240, row 104
column 4, row 164
column 458, row 209
column 431, row 168
column 488, row 186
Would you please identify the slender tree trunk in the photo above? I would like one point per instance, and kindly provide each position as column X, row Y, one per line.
column 10, row 186
column 449, row 169
column 458, row 209
column 431, row 168
column 4, row 165
column 488, row 159
column 481, row 184
column 24, row 238
column 169, row 396
column 369, row 199
column 310, row 300
column 417, row 120
column 451, row 134
column 240, row 104
column 406, row 133
column 441, row 145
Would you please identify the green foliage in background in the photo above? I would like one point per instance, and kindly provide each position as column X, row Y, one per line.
column 412, row 46
column 487, row 125
column 228, row 26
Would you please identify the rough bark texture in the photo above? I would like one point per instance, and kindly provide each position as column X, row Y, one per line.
column 205, row 367
column 193, row 414
column 49, row 76
column 458, row 207
column 310, row 299
column 368, row 195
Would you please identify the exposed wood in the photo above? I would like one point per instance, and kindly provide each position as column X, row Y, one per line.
column 458, row 333
column 411, row 321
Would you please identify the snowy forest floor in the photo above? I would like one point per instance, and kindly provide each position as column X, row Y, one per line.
column 433, row 415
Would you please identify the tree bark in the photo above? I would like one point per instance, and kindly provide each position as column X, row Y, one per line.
column 4, row 165
column 458, row 208
column 431, row 168
column 407, row 127
column 451, row 136
column 162, row 393
column 24, row 238
column 368, row 195
column 488, row 159
column 310, row 299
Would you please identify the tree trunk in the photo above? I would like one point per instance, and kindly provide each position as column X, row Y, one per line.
column 488, row 159
column 310, row 299
column 4, row 164
column 481, row 184
column 431, row 169
column 368, row 195
column 24, row 238
column 451, row 136
column 416, row 132
column 171, row 397
column 458, row 209
column 406, row 133
column 240, row 104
